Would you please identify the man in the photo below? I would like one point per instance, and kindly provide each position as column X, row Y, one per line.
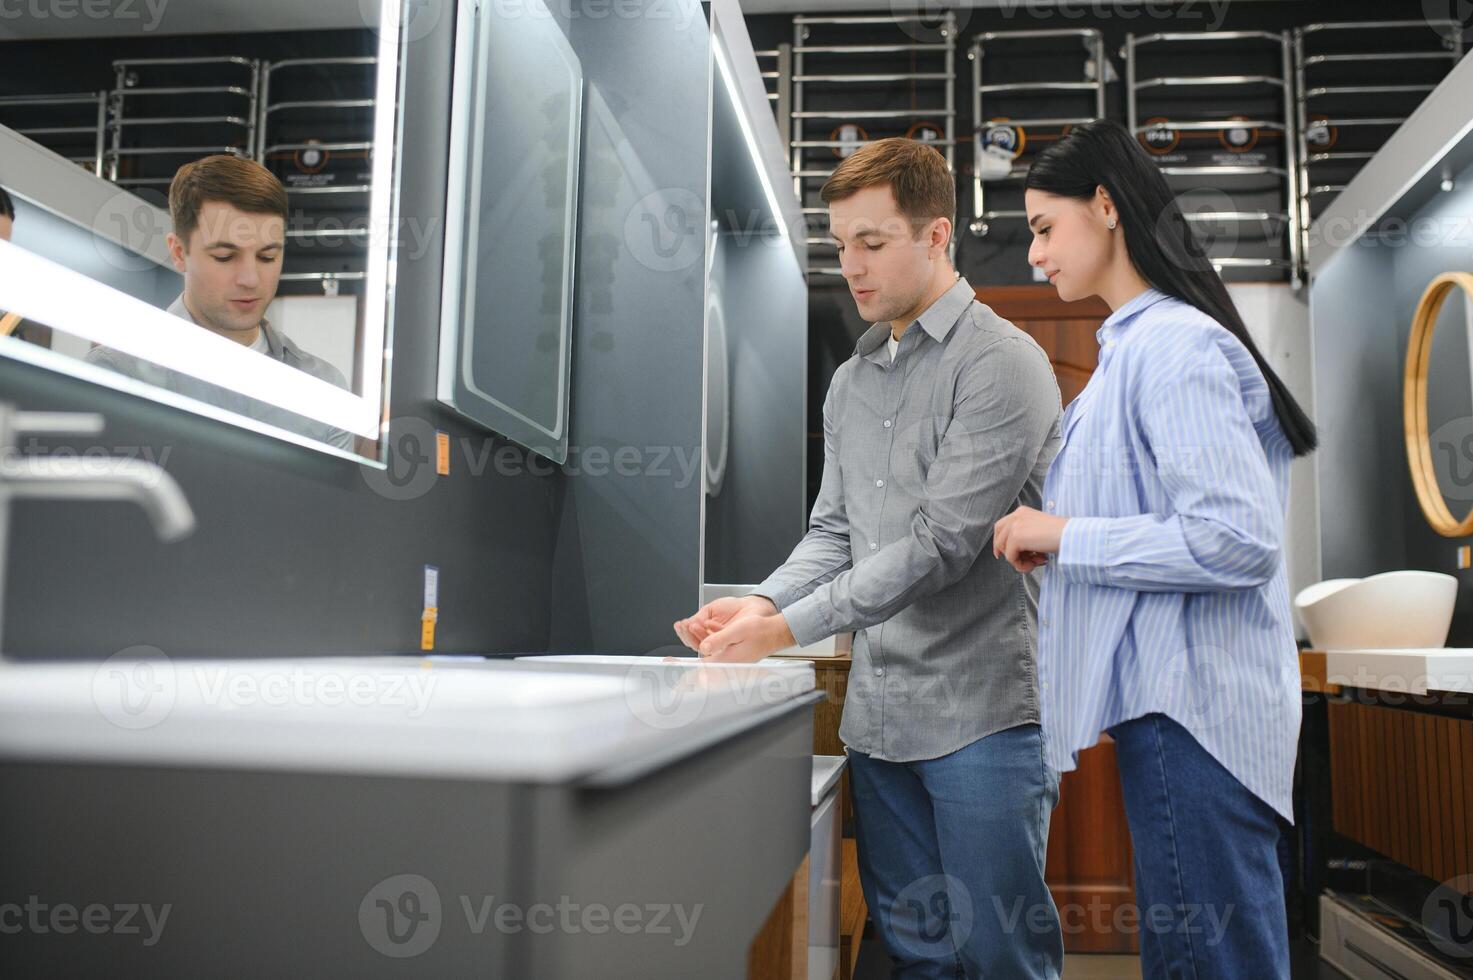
column 13, row 324
column 229, row 220
column 944, row 420
column 9, row 322
column 7, row 215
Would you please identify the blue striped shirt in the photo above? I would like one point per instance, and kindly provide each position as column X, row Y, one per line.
column 1169, row 592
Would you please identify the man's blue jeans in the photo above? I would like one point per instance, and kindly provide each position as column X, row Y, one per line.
column 1207, row 878
column 951, row 855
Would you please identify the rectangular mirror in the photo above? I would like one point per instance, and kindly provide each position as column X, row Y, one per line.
column 263, row 299
column 507, row 311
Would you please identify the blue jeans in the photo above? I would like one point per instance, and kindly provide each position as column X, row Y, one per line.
column 1207, row 881
column 951, row 854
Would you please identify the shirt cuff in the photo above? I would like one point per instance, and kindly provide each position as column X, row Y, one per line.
column 1084, row 550
column 780, row 596
column 808, row 620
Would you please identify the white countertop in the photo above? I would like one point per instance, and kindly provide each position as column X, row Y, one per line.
column 826, row 772
column 1415, row 671
column 399, row 716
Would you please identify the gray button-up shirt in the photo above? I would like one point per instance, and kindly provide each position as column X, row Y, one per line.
column 921, row 457
column 282, row 349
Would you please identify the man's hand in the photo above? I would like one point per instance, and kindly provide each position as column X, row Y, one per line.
column 1026, row 538
column 716, row 615
column 747, row 639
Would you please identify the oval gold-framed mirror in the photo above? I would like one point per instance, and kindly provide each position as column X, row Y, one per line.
column 1414, row 405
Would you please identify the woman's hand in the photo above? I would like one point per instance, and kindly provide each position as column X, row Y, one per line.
column 1026, row 538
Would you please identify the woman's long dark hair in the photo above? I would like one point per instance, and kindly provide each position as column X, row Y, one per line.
column 1161, row 244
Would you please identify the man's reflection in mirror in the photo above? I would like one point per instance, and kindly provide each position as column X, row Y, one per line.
column 229, row 219
column 12, row 324
column 8, row 321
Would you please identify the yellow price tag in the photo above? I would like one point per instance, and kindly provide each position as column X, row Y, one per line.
column 442, row 453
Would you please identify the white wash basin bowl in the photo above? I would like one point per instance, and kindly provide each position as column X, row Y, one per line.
column 1393, row 610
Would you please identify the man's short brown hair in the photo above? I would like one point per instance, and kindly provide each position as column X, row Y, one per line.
column 918, row 176
column 243, row 184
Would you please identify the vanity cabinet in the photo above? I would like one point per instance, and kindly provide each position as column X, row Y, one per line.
column 528, row 823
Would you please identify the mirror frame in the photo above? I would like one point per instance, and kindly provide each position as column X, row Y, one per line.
column 462, row 204
column 49, row 293
column 1414, row 405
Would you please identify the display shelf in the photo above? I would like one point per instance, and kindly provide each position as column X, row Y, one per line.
column 1342, row 120
column 855, row 79
column 1231, row 134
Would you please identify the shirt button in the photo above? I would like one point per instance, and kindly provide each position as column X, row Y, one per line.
column 888, row 423
column 879, row 671
column 873, row 546
column 879, row 483
column 1042, row 621
column 1049, row 505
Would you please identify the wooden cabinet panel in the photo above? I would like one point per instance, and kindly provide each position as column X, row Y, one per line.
column 1400, row 785
column 1071, row 382
column 776, row 952
column 1070, row 343
column 1090, row 864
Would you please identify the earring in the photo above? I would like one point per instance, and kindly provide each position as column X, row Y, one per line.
column 1111, row 224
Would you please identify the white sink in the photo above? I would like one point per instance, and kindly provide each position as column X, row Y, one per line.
column 605, row 659
column 400, row 716
column 1393, row 610
column 406, row 718
column 652, row 681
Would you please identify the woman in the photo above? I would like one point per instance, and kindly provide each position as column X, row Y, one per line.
column 1164, row 613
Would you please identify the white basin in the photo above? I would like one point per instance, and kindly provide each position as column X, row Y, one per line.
column 342, row 715
column 400, row 716
column 624, row 660
column 768, row 680
column 1393, row 610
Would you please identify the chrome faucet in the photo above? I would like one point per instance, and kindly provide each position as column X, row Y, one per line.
column 80, row 478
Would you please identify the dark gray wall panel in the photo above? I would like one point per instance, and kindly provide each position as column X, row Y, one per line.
column 1357, row 409
column 627, row 556
column 759, row 515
